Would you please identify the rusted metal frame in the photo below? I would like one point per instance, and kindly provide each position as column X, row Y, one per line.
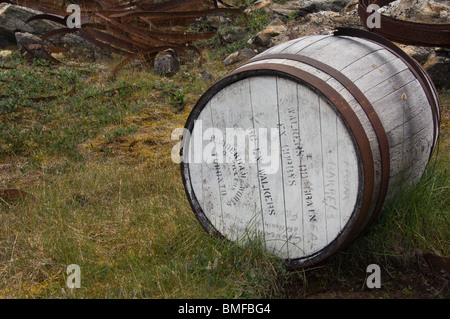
column 143, row 36
column 420, row 74
column 174, row 35
column 51, row 17
column 173, row 5
column 405, row 32
column 122, row 36
column 135, row 34
column 362, row 147
column 173, row 15
column 112, row 39
column 83, row 31
column 51, row 34
column 157, row 34
column 137, row 46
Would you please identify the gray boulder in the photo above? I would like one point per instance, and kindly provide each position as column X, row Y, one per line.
column 166, row 63
column 30, row 43
column 14, row 29
column 238, row 56
column 13, row 20
column 305, row 7
column 422, row 11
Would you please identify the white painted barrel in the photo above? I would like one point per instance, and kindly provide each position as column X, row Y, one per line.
column 301, row 146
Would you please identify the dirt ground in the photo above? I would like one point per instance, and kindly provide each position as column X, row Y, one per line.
column 425, row 277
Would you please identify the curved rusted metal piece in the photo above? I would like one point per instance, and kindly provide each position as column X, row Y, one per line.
column 117, row 27
column 405, row 32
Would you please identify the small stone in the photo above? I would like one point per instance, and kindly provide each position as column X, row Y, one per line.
column 420, row 54
column 30, row 43
column 25, row 39
column 275, row 28
column 239, row 56
column 206, row 76
column 166, row 63
column 438, row 68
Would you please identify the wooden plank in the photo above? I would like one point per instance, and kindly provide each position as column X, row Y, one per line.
column 378, row 74
column 231, row 113
column 390, row 85
column 285, row 45
column 291, row 150
column 330, row 169
column 318, row 41
column 265, row 114
column 195, row 168
column 414, row 126
column 349, row 183
column 405, row 178
column 401, row 106
column 331, row 54
column 412, row 149
column 312, row 171
column 369, row 62
column 211, row 174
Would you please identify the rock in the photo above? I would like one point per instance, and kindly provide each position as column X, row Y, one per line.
column 324, row 22
column 25, row 39
column 304, row 17
column 258, row 5
column 216, row 21
column 239, row 56
column 166, row 63
column 14, row 29
column 13, row 19
column 206, row 76
column 274, row 29
column 30, row 43
column 5, row 53
column 7, row 40
column 420, row 54
column 422, row 11
column 231, row 34
column 438, row 67
column 351, row 6
column 302, row 7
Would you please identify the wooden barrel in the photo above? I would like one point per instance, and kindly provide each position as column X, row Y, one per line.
column 301, row 146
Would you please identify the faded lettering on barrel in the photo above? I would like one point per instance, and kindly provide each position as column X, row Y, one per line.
column 296, row 209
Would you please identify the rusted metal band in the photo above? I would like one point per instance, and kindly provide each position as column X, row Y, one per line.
column 420, row 74
column 405, row 32
column 345, row 112
column 366, row 106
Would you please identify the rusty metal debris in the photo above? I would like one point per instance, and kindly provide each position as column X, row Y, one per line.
column 133, row 29
column 405, row 32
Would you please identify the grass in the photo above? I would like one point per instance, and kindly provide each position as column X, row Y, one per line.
column 55, row 127
column 107, row 197
column 248, row 27
column 128, row 232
